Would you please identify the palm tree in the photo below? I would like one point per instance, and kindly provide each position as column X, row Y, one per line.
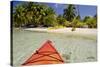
column 32, row 14
column 19, row 16
column 61, row 20
column 69, row 12
column 78, row 16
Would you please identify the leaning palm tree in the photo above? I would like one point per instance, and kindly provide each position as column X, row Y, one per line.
column 69, row 12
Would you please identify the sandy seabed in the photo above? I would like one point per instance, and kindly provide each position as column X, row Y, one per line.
column 79, row 45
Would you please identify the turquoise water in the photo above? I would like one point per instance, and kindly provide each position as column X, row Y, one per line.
column 72, row 47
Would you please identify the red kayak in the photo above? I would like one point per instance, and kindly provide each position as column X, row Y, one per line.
column 46, row 54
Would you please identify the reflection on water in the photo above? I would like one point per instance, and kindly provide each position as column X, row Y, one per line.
column 73, row 48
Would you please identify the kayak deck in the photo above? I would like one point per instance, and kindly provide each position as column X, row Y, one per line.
column 46, row 54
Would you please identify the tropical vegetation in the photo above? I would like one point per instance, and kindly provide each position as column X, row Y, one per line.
column 41, row 15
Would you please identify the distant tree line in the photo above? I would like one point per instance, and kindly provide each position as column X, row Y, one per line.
column 40, row 15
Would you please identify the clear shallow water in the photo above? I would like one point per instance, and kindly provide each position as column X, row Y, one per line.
column 72, row 47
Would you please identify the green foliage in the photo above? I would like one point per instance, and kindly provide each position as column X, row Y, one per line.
column 37, row 14
column 70, row 12
column 86, row 18
column 49, row 11
column 49, row 21
column 61, row 20
column 33, row 13
column 18, row 16
column 74, row 22
column 67, row 24
column 56, row 27
column 92, row 22
column 78, row 17
column 80, row 24
column 77, row 24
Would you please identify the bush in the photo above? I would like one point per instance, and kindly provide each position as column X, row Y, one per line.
column 92, row 23
column 67, row 24
column 62, row 21
column 50, row 21
column 77, row 23
column 74, row 23
column 80, row 24
column 56, row 27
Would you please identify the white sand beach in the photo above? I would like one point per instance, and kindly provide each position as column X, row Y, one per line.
column 65, row 30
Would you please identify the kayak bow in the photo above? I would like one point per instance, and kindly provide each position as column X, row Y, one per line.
column 46, row 54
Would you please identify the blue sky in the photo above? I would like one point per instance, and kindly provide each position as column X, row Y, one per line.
column 85, row 10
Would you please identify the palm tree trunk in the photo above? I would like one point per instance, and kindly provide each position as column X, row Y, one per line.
column 78, row 9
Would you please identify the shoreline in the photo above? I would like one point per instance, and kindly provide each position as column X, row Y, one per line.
column 65, row 30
